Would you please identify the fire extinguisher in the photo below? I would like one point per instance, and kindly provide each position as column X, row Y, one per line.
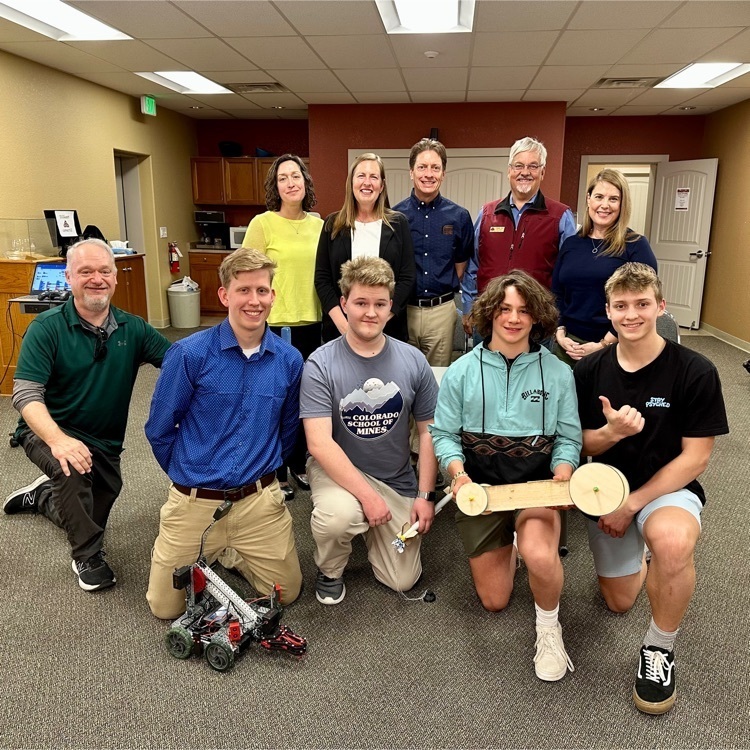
column 174, row 258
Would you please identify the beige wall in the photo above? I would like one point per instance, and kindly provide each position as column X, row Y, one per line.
column 58, row 135
column 726, row 302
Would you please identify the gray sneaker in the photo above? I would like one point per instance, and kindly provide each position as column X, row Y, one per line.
column 26, row 499
column 329, row 590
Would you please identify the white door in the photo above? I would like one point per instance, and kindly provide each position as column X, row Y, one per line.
column 683, row 204
column 473, row 178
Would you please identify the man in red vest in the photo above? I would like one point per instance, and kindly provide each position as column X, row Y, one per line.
column 524, row 230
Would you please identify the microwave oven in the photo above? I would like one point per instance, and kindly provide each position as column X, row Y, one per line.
column 236, row 236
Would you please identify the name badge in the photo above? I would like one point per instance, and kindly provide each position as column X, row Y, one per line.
column 448, row 229
column 497, row 229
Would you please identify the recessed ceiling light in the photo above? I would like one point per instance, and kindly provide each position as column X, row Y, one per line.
column 426, row 16
column 704, row 75
column 195, row 106
column 685, row 109
column 278, row 106
column 57, row 21
column 185, row 82
column 431, row 54
column 597, row 109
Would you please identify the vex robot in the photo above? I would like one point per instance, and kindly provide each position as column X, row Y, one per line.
column 218, row 622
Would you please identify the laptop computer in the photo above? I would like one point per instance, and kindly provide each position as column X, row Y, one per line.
column 48, row 277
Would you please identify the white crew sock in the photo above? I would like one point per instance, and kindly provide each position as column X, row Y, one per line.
column 544, row 618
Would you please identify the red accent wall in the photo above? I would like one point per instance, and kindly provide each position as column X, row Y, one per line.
column 277, row 136
column 335, row 128
column 679, row 136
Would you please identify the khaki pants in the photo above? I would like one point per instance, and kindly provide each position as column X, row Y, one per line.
column 337, row 518
column 258, row 528
column 432, row 330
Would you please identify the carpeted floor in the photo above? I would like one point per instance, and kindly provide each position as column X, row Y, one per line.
column 83, row 670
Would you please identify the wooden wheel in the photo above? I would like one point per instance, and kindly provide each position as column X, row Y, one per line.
column 598, row 489
column 472, row 499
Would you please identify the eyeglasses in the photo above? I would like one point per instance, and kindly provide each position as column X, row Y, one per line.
column 434, row 168
column 518, row 167
column 100, row 350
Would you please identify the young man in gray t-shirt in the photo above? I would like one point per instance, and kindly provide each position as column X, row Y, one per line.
column 357, row 394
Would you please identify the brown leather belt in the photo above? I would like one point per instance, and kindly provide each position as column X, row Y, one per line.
column 233, row 495
column 435, row 301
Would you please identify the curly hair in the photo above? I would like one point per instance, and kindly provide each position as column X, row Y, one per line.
column 540, row 304
column 273, row 199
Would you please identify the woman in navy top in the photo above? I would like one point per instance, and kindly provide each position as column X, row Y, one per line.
column 587, row 260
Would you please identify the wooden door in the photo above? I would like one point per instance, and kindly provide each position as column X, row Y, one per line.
column 680, row 232
column 240, row 181
column 130, row 292
column 204, row 270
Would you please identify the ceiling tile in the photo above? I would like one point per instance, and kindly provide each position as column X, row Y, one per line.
column 348, row 51
column 585, row 48
column 687, row 113
column 737, row 49
column 607, row 97
column 60, row 56
column 308, row 80
column 254, row 114
column 382, row 97
column 629, row 110
column 267, row 101
column 514, row 95
column 224, row 101
column 129, row 83
column 485, row 79
column 453, row 50
column 634, row 14
column 584, row 112
column 552, row 95
column 568, row 76
column 238, row 76
column 227, row 18
column 325, row 18
column 677, row 45
column 513, row 48
column 279, row 52
column 312, row 98
column 437, row 79
column 438, row 97
column 204, row 54
column 662, row 70
column 531, row 15
column 723, row 96
column 12, row 32
column 129, row 54
column 710, row 13
column 145, row 19
column 388, row 79
column 667, row 97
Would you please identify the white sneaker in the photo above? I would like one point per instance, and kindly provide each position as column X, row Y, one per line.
column 551, row 661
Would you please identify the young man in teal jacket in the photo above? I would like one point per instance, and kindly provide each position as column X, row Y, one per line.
column 507, row 412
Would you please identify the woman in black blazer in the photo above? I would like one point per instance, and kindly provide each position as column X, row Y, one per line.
column 364, row 226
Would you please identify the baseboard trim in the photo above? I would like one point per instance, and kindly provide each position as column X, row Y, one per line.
column 726, row 338
column 163, row 323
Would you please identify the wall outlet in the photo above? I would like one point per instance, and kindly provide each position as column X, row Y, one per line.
column 163, row 233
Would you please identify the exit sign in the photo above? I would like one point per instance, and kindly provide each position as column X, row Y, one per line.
column 148, row 105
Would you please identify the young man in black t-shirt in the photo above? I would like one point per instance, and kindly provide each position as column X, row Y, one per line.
column 651, row 408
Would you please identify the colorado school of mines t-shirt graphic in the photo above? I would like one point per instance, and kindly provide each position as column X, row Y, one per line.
column 372, row 410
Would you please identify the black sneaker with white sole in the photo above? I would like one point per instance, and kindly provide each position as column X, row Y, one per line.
column 94, row 574
column 654, row 691
column 26, row 499
column 329, row 590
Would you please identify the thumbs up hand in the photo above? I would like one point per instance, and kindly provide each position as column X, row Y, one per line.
column 622, row 422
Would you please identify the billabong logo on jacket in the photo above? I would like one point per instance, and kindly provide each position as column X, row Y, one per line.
column 535, row 395
column 372, row 410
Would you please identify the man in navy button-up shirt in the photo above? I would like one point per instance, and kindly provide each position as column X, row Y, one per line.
column 224, row 417
column 443, row 237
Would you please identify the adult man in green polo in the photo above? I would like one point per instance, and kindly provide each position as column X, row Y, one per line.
column 73, row 382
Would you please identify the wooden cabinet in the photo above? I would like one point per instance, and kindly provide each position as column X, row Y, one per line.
column 15, row 281
column 219, row 181
column 204, row 270
column 264, row 167
column 208, row 179
column 130, row 292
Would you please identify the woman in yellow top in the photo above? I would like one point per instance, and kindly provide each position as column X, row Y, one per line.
column 288, row 234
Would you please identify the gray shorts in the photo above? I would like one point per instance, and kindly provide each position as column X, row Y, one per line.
column 622, row 556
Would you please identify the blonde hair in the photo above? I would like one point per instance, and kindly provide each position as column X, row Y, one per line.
column 244, row 259
column 634, row 277
column 619, row 233
column 346, row 217
column 366, row 271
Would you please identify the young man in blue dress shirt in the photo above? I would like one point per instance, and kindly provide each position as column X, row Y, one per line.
column 223, row 419
column 443, row 237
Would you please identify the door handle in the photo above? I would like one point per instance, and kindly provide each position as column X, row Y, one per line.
column 699, row 254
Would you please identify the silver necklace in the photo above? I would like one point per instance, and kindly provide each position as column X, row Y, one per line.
column 596, row 247
column 294, row 222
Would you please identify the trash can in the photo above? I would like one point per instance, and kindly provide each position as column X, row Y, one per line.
column 184, row 307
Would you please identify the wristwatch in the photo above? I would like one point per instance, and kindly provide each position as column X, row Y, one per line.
column 426, row 496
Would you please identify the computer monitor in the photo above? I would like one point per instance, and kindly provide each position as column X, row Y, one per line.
column 49, row 277
column 64, row 228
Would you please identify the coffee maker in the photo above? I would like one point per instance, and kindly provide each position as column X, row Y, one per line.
column 213, row 230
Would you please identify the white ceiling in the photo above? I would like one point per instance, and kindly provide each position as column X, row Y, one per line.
column 337, row 52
